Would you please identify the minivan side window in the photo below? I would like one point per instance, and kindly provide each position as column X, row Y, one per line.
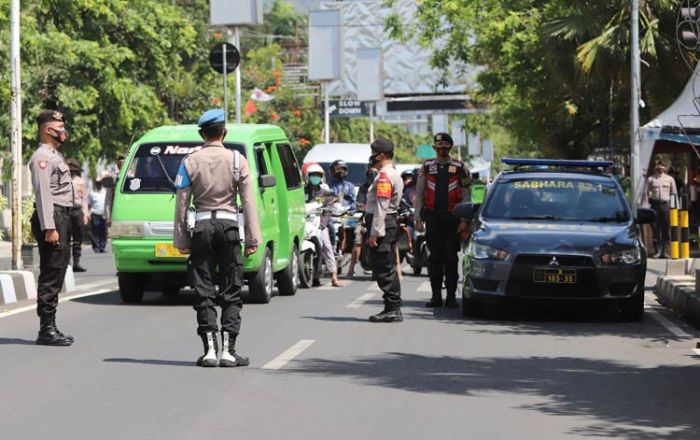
column 260, row 159
column 292, row 174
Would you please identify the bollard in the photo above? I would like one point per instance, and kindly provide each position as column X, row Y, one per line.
column 685, row 228
column 675, row 249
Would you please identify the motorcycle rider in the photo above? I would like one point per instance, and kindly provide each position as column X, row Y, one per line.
column 316, row 188
column 371, row 175
column 343, row 189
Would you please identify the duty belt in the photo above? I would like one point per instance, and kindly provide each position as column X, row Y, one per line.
column 220, row 215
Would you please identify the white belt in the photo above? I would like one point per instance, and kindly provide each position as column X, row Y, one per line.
column 220, row 215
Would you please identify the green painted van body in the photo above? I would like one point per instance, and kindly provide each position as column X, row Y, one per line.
column 280, row 207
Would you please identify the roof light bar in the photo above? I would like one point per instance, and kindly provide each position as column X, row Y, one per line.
column 557, row 163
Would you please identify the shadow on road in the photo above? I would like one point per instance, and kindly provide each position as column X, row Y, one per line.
column 624, row 401
column 15, row 341
column 150, row 362
column 336, row 318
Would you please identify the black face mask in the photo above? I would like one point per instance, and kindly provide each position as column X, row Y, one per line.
column 374, row 159
column 340, row 175
column 59, row 133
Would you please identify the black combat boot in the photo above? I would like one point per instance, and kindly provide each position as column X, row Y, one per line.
column 229, row 357
column 50, row 335
column 76, row 265
column 211, row 347
column 435, row 301
column 391, row 313
column 451, row 301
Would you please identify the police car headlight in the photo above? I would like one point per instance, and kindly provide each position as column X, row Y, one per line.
column 483, row 252
column 628, row 256
column 127, row 229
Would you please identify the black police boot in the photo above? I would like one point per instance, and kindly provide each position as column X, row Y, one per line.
column 435, row 301
column 76, row 265
column 451, row 301
column 229, row 357
column 390, row 314
column 211, row 347
column 50, row 335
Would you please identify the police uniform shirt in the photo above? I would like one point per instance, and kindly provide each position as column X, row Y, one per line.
column 383, row 197
column 52, row 183
column 660, row 188
column 80, row 195
column 207, row 176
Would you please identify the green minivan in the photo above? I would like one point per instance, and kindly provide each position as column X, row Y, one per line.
column 144, row 209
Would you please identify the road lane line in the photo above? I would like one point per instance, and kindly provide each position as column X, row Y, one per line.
column 289, row 355
column 361, row 300
column 94, row 284
column 667, row 323
column 696, row 351
column 424, row 287
column 19, row 310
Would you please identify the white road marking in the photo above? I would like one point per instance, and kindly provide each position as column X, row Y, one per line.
column 68, row 298
column 329, row 286
column 361, row 300
column 289, row 355
column 425, row 287
column 94, row 284
column 667, row 323
column 696, row 351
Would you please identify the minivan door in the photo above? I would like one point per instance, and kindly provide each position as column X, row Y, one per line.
column 269, row 211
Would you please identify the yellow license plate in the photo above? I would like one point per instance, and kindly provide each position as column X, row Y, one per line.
column 167, row 250
column 555, row 276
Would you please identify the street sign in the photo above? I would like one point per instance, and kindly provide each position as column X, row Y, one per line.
column 216, row 57
column 347, row 108
column 235, row 13
column 425, row 151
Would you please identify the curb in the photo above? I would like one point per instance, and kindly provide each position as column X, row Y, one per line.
column 18, row 285
column 678, row 289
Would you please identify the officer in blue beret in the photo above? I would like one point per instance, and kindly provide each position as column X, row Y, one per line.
column 212, row 178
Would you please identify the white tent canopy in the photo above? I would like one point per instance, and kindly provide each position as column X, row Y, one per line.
column 671, row 124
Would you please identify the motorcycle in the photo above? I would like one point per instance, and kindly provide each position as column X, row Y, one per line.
column 310, row 269
column 419, row 256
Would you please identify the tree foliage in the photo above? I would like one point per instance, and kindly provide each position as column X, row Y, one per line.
column 555, row 73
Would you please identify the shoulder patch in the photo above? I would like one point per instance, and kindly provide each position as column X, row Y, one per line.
column 42, row 164
column 384, row 187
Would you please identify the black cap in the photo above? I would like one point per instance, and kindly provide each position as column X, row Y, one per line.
column 382, row 146
column 73, row 163
column 443, row 137
column 49, row 116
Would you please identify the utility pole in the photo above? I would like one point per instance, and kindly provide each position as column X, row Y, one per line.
column 635, row 85
column 16, row 135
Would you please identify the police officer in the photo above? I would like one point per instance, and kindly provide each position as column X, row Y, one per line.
column 383, row 199
column 442, row 183
column 50, row 221
column 79, row 213
column 213, row 177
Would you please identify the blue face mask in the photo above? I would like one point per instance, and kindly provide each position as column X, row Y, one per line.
column 315, row 180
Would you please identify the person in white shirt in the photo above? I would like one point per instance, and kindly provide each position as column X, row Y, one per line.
column 96, row 201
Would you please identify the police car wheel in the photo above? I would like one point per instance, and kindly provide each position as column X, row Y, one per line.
column 633, row 310
column 261, row 283
column 288, row 279
column 131, row 287
column 306, row 269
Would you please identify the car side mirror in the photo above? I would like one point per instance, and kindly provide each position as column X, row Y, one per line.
column 466, row 210
column 267, row 181
column 645, row 216
column 109, row 181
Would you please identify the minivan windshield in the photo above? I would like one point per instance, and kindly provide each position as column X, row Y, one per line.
column 147, row 170
column 557, row 199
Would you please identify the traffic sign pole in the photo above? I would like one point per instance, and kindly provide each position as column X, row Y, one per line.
column 371, row 122
column 16, row 134
column 327, row 113
column 225, row 87
column 237, row 37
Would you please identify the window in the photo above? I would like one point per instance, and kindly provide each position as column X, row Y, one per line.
column 147, row 170
column 292, row 173
column 260, row 159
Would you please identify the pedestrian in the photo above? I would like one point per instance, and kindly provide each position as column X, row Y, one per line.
column 659, row 190
column 96, row 201
column 53, row 190
column 109, row 198
column 213, row 178
column 443, row 183
column 79, row 213
column 383, row 199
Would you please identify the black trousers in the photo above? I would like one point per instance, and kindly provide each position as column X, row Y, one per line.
column 99, row 232
column 53, row 260
column 216, row 259
column 441, row 234
column 662, row 226
column 77, row 231
column 384, row 267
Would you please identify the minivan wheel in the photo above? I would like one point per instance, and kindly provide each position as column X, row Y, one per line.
column 169, row 289
column 307, row 269
column 261, row 283
column 288, row 279
column 131, row 287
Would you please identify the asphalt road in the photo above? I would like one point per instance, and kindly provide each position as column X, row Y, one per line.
column 534, row 374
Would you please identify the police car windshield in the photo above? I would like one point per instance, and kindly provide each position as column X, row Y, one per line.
column 557, row 199
column 146, row 173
